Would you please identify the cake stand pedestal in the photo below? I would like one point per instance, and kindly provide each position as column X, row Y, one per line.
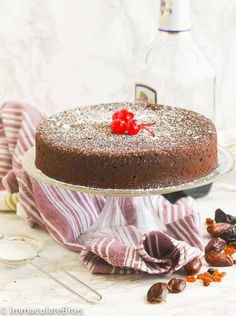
column 127, row 206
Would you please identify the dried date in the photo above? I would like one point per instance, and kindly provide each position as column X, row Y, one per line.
column 157, row 293
column 176, row 285
column 216, row 229
column 219, row 259
column 222, row 217
column 193, row 267
column 216, row 245
column 229, row 234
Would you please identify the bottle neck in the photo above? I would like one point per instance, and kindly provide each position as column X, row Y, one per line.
column 174, row 16
column 173, row 38
column 174, row 34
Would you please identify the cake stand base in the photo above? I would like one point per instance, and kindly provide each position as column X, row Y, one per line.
column 139, row 211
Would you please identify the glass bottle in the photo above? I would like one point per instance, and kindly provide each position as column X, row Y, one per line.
column 175, row 72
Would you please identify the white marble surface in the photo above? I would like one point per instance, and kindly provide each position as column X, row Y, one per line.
column 59, row 53
column 25, row 287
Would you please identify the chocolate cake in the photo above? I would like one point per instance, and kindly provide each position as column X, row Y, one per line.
column 77, row 146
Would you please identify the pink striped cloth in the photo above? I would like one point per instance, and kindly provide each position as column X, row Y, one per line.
column 107, row 240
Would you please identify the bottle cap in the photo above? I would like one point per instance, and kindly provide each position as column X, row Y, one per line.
column 174, row 16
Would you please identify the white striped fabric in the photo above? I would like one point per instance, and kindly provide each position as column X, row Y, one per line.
column 107, row 242
column 8, row 201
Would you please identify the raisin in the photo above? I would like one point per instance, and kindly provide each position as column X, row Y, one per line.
column 212, row 275
column 215, row 244
column 176, row 285
column 229, row 250
column 216, row 279
column 229, row 234
column 218, row 259
column 209, row 221
column 216, row 229
column 193, row 267
column 190, row 278
column 211, row 270
column 222, row 274
column 157, row 293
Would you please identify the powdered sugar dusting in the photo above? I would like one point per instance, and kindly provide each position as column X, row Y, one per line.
column 88, row 129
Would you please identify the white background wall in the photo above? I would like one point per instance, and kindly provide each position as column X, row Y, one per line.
column 61, row 53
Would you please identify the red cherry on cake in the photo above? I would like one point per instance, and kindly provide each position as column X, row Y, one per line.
column 133, row 127
column 118, row 126
column 123, row 121
column 114, row 115
column 124, row 115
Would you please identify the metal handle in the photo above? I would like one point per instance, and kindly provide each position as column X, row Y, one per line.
column 99, row 296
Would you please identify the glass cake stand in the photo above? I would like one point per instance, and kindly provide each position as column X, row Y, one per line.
column 131, row 206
